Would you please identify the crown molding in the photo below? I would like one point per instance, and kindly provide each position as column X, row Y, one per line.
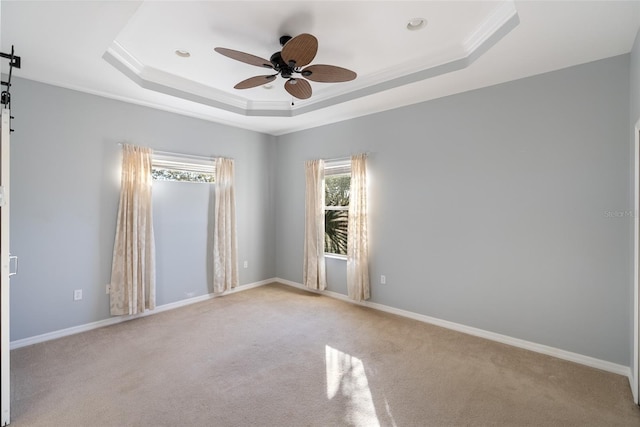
column 452, row 58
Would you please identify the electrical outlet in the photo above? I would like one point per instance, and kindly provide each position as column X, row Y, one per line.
column 108, row 289
column 383, row 280
column 77, row 295
column 246, row 264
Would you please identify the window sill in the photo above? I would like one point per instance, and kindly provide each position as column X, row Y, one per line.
column 335, row 256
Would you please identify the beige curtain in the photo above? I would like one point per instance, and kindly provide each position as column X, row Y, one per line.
column 225, row 246
column 314, row 275
column 357, row 241
column 133, row 275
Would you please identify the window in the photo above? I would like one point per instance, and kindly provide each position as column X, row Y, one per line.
column 337, row 184
column 182, row 167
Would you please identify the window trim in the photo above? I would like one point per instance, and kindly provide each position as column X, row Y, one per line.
column 335, row 256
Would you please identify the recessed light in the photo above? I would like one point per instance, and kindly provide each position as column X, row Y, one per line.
column 416, row 24
column 183, row 53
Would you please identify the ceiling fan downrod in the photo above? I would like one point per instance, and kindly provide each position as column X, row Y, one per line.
column 284, row 40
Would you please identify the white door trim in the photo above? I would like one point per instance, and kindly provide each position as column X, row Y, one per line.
column 5, row 399
column 635, row 363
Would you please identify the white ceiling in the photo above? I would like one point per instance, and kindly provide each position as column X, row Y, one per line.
column 125, row 50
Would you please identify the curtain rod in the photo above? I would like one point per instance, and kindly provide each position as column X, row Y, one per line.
column 342, row 159
column 191, row 156
column 183, row 155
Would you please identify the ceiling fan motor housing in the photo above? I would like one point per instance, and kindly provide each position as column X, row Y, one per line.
column 280, row 66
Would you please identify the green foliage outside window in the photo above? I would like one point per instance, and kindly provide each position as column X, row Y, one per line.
column 336, row 213
column 161, row 174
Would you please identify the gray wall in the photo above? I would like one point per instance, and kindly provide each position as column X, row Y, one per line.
column 501, row 208
column 65, row 181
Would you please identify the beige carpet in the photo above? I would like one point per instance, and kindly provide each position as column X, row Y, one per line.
column 278, row 356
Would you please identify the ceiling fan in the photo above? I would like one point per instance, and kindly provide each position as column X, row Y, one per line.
column 297, row 52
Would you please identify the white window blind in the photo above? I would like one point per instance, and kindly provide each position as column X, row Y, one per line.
column 337, row 167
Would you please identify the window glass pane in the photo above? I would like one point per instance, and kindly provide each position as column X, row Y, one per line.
column 335, row 231
column 160, row 174
column 336, row 190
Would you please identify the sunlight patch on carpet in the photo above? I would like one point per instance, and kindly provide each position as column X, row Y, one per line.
column 346, row 375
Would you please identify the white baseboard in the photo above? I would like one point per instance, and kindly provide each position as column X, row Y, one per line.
column 118, row 319
column 516, row 342
column 504, row 339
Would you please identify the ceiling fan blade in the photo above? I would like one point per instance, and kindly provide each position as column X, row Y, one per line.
column 254, row 81
column 301, row 50
column 328, row 74
column 244, row 57
column 298, row 88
